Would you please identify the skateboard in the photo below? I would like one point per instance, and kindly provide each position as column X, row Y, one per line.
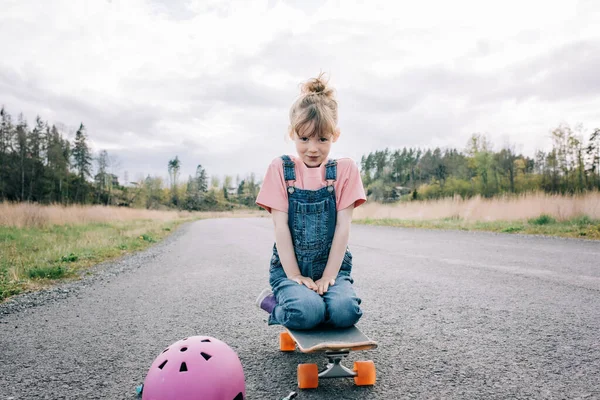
column 336, row 344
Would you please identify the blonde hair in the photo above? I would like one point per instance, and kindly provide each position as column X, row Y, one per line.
column 316, row 103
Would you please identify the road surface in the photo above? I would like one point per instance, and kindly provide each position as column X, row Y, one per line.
column 457, row 315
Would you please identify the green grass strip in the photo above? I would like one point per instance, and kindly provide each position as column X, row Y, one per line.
column 31, row 258
column 580, row 227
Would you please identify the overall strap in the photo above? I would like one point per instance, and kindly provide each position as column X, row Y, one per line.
column 330, row 173
column 289, row 174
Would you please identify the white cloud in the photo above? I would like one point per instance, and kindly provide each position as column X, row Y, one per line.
column 212, row 81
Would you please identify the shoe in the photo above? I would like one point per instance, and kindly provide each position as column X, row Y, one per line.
column 266, row 300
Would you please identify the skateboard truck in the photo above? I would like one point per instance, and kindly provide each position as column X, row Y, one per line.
column 334, row 368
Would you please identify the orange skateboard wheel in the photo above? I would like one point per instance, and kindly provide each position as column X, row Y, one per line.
column 308, row 376
column 365, row 373
column 286, row 343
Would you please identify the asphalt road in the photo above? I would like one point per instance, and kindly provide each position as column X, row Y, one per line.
column 457, row 315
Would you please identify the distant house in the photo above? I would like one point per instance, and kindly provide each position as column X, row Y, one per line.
column 402, row 190
column 232, row 191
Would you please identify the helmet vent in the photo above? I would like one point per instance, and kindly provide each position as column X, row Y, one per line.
column 205, row 340
column 165, row 350
column 206, row 356
column 161, row 366
column 240, row 396
column 183, row 367
column 183, row 349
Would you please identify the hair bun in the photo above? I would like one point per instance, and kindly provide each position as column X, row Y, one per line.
column 317, row 85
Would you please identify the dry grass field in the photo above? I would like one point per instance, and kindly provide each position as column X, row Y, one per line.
column 535, row 213
column 24, row 215
column 508, row 208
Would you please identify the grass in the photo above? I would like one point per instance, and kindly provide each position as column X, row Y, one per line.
column 34, row 257
column 26, row 215
column 578, row 227
column 40, row 245
column 503, row 208
column 543, row 219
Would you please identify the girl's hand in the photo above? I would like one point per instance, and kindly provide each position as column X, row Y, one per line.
column 303, row 280
column 324, row 283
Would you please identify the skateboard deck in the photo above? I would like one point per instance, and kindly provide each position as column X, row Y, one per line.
column 312, row 341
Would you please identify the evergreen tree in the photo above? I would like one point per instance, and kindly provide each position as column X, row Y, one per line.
column 82, row 161
column 196, row 191
column 593, row 154
column 21, row 150
column 201, row 179
column 7, row 133
column 36, row 148
column 81, row 154
column 58, row 156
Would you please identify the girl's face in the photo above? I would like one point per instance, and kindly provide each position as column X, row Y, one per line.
column 313, row 150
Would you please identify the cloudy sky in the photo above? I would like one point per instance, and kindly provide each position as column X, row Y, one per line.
column 212, row 81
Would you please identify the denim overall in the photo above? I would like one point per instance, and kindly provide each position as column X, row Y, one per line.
column 311, row 219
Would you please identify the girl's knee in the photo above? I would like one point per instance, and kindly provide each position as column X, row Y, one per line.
column 343, row 312
column 306, row 313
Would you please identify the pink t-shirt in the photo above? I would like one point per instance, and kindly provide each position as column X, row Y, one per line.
column 348, row 185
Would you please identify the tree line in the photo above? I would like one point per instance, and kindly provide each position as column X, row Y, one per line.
column 40, row 164
column 198, row 193
column 571, row 166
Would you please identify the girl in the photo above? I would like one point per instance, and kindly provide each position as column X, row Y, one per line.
column 311, row 199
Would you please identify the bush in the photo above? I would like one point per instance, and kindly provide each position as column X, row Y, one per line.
column 461, row 187
column 429, row 191
column 543, row 219
column 583, row 220
column 147, row 238
column 69, row 258
column 54, row 272
column 381, row 191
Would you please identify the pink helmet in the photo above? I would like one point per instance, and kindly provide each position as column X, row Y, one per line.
column 197, row 367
